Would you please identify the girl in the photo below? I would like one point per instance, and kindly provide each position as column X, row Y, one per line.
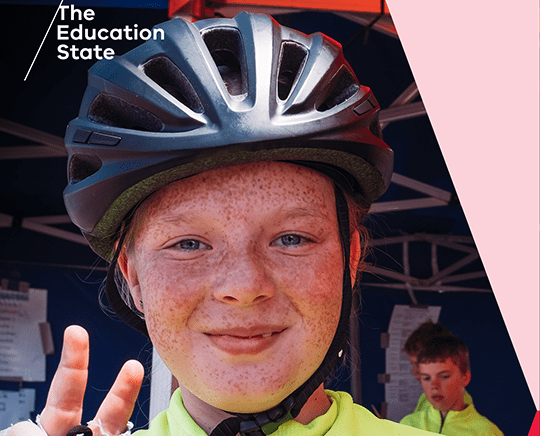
column 224, row 172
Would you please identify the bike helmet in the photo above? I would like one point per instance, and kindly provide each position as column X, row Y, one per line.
column 215, row 93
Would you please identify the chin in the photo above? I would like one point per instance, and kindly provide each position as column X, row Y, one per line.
column 247, row 393
column 254, row 402
column 247, row 387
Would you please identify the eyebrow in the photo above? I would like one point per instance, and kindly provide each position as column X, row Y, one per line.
column 446, row 371
column 189, row 217
column 302, row 212
column 175, row 218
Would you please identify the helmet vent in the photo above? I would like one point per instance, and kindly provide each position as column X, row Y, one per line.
column 293, row 57
column 82, row 166
column 225, row 46
column 344, row 87
column 167, row 75
column 116, row 112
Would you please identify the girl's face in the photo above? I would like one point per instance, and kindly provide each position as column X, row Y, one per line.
column 240, row 271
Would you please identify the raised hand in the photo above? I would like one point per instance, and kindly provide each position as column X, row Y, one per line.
column 65, row 400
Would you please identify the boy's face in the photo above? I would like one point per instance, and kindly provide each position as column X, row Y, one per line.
column 444, row 384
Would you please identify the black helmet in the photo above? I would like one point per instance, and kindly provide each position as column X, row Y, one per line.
column 216, row 93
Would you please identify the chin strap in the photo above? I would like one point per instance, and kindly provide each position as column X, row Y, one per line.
column 267, row 422
column 256, row 425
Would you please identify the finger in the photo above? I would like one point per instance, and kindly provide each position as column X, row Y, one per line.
column 63, row 409
column 116, row 409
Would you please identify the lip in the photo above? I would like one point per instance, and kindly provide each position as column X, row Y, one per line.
column 437, row 398
column 250, row 341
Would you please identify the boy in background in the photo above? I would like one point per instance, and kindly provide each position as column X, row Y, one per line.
column 444, row 372
column 418, row 340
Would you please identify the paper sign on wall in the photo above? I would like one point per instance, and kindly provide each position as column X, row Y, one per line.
column 16, row 406
column 21, row 350
column 403, row 390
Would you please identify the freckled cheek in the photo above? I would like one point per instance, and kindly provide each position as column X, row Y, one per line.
column 169, row 301
column 316, row 291
column 322, row 318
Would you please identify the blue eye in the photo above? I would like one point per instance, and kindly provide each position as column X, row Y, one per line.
column 291, row 240
column 192, row 245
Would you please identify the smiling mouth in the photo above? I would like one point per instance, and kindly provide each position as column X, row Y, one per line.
column 248, row 333
column 243, row 342
column 262, row 335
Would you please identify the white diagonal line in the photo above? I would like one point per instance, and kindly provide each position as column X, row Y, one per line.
column 44, row 38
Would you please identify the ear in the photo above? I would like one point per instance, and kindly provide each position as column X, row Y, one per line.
column 356, row 253
column 127, row 265
column 466, row 378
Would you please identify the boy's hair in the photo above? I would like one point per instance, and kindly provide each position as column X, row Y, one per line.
column 421, row 336
column 446, row 347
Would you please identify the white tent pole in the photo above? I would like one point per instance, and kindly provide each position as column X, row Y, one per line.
column 30, row 152
column 160, row 386
column 454, row 267
column 398, row 113
column 25, row 132
column 424, row 188
column 435, row 288
column 37, row 226
column 29, row 224
column 393, row 206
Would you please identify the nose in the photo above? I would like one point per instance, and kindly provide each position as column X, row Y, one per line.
column 245, row 279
